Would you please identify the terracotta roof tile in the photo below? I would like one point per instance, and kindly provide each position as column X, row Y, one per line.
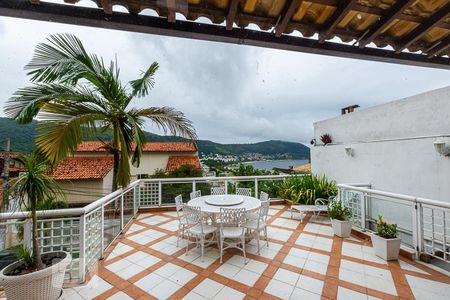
column 175, row 162
column 83, row 168
column 147, row 147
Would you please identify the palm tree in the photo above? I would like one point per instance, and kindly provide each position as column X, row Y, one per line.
column 75, row 92
column 33, row 188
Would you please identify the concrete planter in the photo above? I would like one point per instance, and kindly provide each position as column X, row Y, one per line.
column 342, row 228
column 387, row 249
column 44, row 284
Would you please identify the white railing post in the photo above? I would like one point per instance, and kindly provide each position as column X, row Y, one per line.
column 193, row 186
column 226, row 186
column 415, row 229
column 135, row 198
column 420, row 225
column 27, row 232
column 363, row 211
column 159, row 193
column 256, row 188
column 102, row 232
column 82, row 261
column 121, row 211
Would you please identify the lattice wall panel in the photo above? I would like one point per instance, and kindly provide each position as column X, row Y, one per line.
column 149, row 194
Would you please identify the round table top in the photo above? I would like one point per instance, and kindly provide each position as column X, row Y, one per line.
column 249, row 203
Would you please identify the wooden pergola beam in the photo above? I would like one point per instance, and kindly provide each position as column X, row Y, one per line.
column 423, row 28
column 339, row 14
column 439, row 47
column 107, row 6
column 286, row 16
column 171, row 10
column 385, row 20
column 232, row 11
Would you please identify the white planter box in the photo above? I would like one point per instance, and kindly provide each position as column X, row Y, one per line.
column 45, row 284
column 342, row 228
column 387, row 249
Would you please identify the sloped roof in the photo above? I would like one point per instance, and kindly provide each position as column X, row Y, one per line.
column 175, row 162
column 75, row 168
column 421, row 26
column 147, row 147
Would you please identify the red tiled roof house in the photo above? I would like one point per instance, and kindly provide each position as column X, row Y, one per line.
column 87, row 175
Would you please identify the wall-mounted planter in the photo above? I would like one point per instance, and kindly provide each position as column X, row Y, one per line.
column 387, row 249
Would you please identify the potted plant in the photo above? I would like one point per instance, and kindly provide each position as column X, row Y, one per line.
column 385, row 242
column 35, row 275
column 339, row 215
column 326, row 139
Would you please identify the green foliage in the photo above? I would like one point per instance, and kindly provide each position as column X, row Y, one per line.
column 24, row 254
column 385, row 230
column 249, row 170
column 338, row 211
column 306, row 189
column 185, row 171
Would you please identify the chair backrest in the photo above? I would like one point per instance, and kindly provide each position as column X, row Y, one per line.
column 195, row 194
column 219, row 190
column 264, row 196
column 243, row 192
column 192, row 214
column 232, row 217
column 264, row 211
column 179, row 204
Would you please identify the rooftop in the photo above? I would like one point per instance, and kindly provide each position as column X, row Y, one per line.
column 303, row 260
column 75, row 168
column 147, row 147
column 175, row 162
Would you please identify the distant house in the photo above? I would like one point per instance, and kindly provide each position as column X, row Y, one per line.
column 87, row 174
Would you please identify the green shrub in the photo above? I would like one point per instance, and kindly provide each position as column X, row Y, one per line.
column 306, row 189
column 24, row 254
column 385, row 230
column 338, row 211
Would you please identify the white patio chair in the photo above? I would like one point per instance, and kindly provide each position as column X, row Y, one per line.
column 232, row 230
column 256, row 226
column 181, row 221
column 320, row 205
column 219, row 190
column 251, row 215
column 244, row 192
column 195, row 194
column 197, row 229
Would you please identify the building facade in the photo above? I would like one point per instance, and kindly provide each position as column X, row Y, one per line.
column 392, row 146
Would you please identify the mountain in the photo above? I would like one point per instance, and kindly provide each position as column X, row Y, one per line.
column 22, row 140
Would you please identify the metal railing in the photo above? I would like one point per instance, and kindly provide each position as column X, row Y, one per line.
column 86, row 232
column 423, row 224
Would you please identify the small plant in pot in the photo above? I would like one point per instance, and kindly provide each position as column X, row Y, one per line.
column 35, row 276
column 385, row 242
column 339, row 215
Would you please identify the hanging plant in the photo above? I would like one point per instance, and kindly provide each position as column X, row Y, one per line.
column 326, row 139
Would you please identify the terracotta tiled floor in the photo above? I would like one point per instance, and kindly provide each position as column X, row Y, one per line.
column 303, row 261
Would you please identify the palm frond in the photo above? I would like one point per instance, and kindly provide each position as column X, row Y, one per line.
column 168, row 119
column 142, row 86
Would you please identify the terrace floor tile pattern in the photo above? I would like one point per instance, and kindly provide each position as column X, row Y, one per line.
column 303, row 261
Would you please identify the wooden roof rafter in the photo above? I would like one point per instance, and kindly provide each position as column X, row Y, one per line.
column 232, row 11
column 286, row 15
column 339, row 14
column 423, row 28
column 439, row 47
column 384, row 21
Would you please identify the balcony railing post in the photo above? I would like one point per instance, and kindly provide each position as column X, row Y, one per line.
column 256, row 187
column 415, row 228
column 159, row 193
column 121, row 211
column 135, row 198
column 420, row 225
column 193, row 186
column 82, row 261
column 363, row 211
column 226, row 186
column 102, row 232
column 27, row 231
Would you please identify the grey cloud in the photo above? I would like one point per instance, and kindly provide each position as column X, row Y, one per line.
column 232, row 93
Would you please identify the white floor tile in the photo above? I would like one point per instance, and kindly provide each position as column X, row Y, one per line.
column 310, row 284
column 167, row 270
column 228, row 293
column 208, row 288
column 165, row 289
column 228, row 270
column 346, row 294
column 304, row 295
column 149, row 282
column 246, row 277
column 286, row 276
column 279, row 289
column 120, row 296
column 428, row 289
column 182, row 276
column 95, row 287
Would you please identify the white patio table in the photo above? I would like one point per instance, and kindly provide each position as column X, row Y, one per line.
column 211, row 204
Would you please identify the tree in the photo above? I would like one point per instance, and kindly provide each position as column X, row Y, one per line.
column 34, row 188
column 74, row 92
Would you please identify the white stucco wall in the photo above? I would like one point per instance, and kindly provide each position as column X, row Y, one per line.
column 393, row 146
column 151, row 161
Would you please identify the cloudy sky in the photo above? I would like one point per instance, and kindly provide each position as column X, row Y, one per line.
column 232, row 93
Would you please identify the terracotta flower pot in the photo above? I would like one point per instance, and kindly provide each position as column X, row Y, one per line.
column 45, row 284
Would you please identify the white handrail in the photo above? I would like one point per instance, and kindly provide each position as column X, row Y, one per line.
column 407, row 198
column 189, row 179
